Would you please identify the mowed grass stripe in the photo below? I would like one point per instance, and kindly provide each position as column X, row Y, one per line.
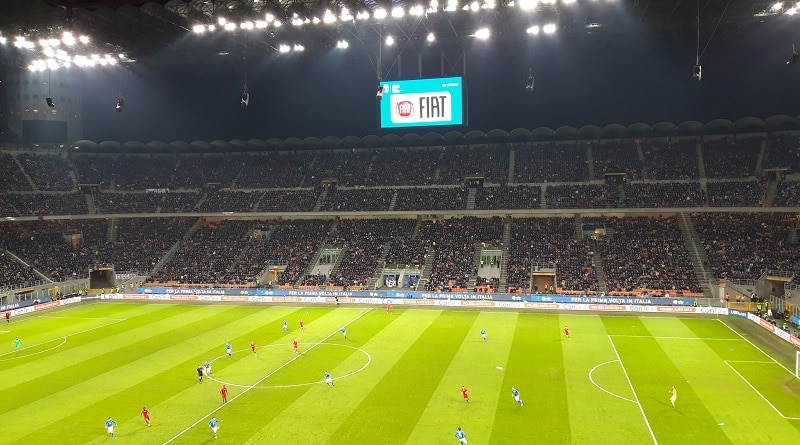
column 392, row 406
column 123, row 391
column 86, row 393
column 595, row 416
column 475, row 366
column 54, row 369
column 652, row 373
column 536, row 367
column 312, row 414
column 256, row 406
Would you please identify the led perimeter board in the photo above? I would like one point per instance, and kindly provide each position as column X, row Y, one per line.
column 422, row 102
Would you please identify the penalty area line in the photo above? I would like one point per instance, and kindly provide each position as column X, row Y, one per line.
column 254, row 385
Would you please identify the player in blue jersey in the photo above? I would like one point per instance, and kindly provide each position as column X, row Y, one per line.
column 515, row 393
column 285, row 326
column 344, row 333
column 461, row 436
column 483, row 334
column 213, row 425
column 207, row 366
column 110, row 424
column 328, row 379
column 228, row 349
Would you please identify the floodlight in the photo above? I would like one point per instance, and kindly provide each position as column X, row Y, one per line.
column 296, row 20
column 568, row 2
column 389, row 40
column 230, row 26
column 431, row 37
column 260, row 24
column 212, row 28
column 533, row 30
column 379, row 93
column 379, row 13
column 298, row 47
column 416, row 10
column 269, row 17
column 198, row 29
column 3, row 40
column 482, row 33
column 794, row 58
column 316, row 20
column 549, row 28
column 363, row 15
column 328, row 17
column 284, row 48
column 342, row 44
column 222, row 21
column 68, row 39
column 50, row 102
column 697, row 72
column 452, row 5
column 120, row 105
column 527, row 5
column 777, row 6
column 398, row 12
column 83, row 39
column 474, row 6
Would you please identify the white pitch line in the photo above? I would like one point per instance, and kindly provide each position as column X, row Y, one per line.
column 246, row 390
column 673, row 338
column 646, row 421
column 82, row 318
column 759, row 392
column 55, row 339
column 603, row 389
column 759, row 349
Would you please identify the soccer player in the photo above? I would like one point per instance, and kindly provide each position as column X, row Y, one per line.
column 294, row 344
column 253, row 348
column 207, row 366
column 224, row 393
column 515, row 393
column 8, row 317
column 673, row 396
column 200, row 373
column 389, row 307
column 110, row 423
column 483, row 334
column 566, row 332
column 228, row 349
column 302, row 325
column 17, row 344
column 461, row 436
column 464, row 394
column 285, row 326
column 328, row 379
column 146, row 415
column 344, row 332
column 213, row 425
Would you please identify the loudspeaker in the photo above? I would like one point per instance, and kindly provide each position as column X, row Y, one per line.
column 50, row 103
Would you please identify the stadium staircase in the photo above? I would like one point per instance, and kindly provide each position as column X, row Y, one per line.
column 334, row 267
column 701, row 165
column 113, row 230
column 426, row 271
column 640, row 156
column 471, row 198
column 511, row 157
column 168, row 256
column 321, row 199
column 393, row 202
column 578, row 226
column 201, row 201
column 696, row 253
column 312, row 264
column 599, row 272
column 772, row 187
column 543, row 196
column 760, row 159
column 590, row 162
column 503, row 280
column 477, row 248
column 376, row 276
column 90, row 201
column 25, row 173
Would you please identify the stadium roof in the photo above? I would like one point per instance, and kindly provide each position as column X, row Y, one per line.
column 142, row 28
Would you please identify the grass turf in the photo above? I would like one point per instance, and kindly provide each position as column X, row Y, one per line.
column 397, row 378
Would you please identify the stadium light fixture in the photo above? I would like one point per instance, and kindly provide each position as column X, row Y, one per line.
column 328, row 17
column 299, row 48
column 549, row 28
column 416, row 10
column 50, row 102
column 528, row 5
column 198, row 29
column 296, row 20
column 697, row 72
column 431, row 37
column 452, row 5
column 568, row 2
column 345, row 15
column 534, row 30
column 482, row 34
column 284, row 48
column 389, row 40
column 120, row 105
column 363, row 15
column 84, row 39
column 474, row 6
column 398, row 12
column 379, row 14
column 489, row 4
column 3, row 40
column 342, row 44
column 777, row 6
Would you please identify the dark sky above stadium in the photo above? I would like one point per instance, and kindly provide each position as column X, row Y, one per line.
column 644, row 78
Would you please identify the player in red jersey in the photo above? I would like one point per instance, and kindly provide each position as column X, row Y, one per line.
column 389, row 307
column 566, row 332
column 8, row 317
column 464, row 394
column 224, row 393
column 294, row 344
column 302, row 325
column 253, row 347
column 146, row 415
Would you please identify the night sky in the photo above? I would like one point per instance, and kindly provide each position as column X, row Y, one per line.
column 644, row 78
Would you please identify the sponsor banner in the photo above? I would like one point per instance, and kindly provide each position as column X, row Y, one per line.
column 421, row 302
column 209, row 297
column 795, row 341
column 541, row 305
column 260, row 299
column 739, row 314
column 468, row 303
column 43, row 306
column 713, row 310
column 16, row 305
column 607, row 307
column 183, row 297
column 676, row 309
column 341, row 300
column 509, row 304
column 131, row 296
column 159, row 297
column 69, row 300
column 766, row 325
column 235, row 298
column 287, row 300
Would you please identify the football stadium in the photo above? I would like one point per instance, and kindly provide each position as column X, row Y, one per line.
column 361, row 222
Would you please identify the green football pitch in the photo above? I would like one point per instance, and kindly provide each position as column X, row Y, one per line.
column 397, row 377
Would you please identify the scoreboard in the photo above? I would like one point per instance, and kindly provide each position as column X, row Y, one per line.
column 422, row 102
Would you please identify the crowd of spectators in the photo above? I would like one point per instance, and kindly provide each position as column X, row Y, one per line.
column 13, row 177
column 731, row 157
column 141, row 242
column 348, row 168
column 126, row 172
column 293, row 245
column 110, row 203
column 617, row 157
column 735, row 194
column 461, row 161
column 675, row 159
column 293, row 200
column 582, row 196
column 783, row 151
column 504, row 197
column 35, row 204
column 431, row 199
column 550, row 241
column 195, row 172
column 407, row 250
column 669, row 194
column 646, row 254
column 787, row 194
column 454, row 241
column 14, row 273
column 230, row 201
column 48, row 172
column 357, row 200
column 744, row 245
column 275, row 170
column 404, row 167
column 551, row 162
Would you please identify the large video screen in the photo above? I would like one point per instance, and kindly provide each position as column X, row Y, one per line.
column 422, row 102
